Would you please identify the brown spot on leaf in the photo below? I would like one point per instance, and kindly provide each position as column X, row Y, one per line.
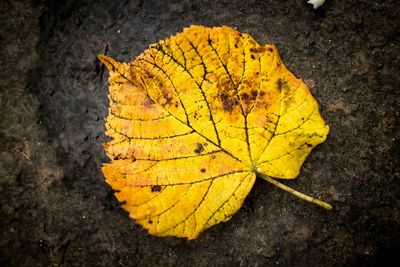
column 254, row 94
column 167, row 97
column 227, row 94
column 229, row 102
column 281, row 84
column 155, row 188
column 257, row 50
column 236, row 42
column 147, row 102
column 199, row 148
column 245, row 98
column 203, row 170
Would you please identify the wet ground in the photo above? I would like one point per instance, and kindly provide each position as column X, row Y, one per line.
column 56, row 208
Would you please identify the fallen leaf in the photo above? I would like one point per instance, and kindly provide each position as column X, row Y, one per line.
column 194, row 119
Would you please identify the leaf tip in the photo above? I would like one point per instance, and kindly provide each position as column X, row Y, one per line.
column 110, row 63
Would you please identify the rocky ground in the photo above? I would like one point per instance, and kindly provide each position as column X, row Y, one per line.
column 56, row 208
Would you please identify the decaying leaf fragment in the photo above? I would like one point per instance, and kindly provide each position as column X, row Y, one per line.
column 194, row 120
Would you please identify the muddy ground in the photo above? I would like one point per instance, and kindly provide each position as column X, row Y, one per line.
column 56, row 208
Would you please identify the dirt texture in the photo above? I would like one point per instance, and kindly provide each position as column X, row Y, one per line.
column 56, row 208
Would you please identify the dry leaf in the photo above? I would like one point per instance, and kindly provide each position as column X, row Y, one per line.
column 194, row 120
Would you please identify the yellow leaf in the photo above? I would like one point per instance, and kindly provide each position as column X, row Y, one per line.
column 194, row 120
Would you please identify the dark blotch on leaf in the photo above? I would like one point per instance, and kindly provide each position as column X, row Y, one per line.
column 167, row 96
column 228, row 102
column 155, row 188
column 279, row 84
column 257, row 50
column 245, row 98
column 203, row 170
column 199, row 148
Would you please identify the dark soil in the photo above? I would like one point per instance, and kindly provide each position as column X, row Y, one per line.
column 56, row 208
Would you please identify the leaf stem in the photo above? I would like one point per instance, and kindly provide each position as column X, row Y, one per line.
column 294, row 192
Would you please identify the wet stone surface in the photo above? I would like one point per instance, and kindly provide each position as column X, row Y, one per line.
column 56, row 209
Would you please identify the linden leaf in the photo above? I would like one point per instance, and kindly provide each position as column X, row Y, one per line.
column 194, row 120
